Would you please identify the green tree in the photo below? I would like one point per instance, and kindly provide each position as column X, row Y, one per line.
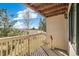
column 33, row 28
column 5, row 25
column 42, row 25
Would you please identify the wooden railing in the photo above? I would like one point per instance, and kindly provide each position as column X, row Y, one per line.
column 21, row 45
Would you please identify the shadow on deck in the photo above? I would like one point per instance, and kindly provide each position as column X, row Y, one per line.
column 45, row 51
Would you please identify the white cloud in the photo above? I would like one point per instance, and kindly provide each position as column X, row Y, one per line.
column 33, row 15
column 22, row 15
column 20, row 25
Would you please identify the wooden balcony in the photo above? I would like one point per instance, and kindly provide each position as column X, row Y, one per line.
column 31, row 45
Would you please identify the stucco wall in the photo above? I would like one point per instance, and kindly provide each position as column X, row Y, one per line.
column 57, row 27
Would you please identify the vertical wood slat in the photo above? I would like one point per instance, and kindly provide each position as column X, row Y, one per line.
column 21, row 48
column 1, row 47
column 11, row 46
column 29, row 46
column 6, row 48
column 24, row 46
column 14, row 52
column 15, row 48
column 18, row 47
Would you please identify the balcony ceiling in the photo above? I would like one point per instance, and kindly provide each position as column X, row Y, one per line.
column 49, row 9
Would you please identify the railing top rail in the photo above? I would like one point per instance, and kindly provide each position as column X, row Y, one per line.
column 19, row 36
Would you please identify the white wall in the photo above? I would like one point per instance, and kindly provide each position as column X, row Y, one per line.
column 57, row 27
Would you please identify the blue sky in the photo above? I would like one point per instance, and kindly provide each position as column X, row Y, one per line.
column 20, row 10
column 13, row 8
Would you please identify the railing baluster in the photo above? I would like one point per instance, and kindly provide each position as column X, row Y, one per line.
column 29, row 46
column 6, row 48
column 14, row 53
column 11, row 47
column 26, row 46
column 17, row 47
column 21, row 47
column 36, row 42
column 1, row 48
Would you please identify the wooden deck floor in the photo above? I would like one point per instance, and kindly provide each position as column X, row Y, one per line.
column 45, row 51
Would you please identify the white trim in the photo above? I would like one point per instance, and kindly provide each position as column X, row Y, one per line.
column 72, row 52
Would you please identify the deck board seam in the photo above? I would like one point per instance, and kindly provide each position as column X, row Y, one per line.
column 44, row 51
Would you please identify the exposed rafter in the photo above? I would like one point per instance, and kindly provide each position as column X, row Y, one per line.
column 46, row 6
column 47, row 9
column 56, row 13
column 56, row 9
column 31, row 7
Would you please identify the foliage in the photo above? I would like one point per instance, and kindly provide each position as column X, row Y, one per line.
column 33, row 28
column 42, row 25
column 6, row 25
column 10, row 32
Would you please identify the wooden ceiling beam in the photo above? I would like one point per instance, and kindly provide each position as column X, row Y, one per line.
column 56, row 13
column 48, row 10
column 36, row 5
column 43, row 5
column 57, row 9
column 46, row 6
column 31, row 7
column 51, row 7
column 39, row 5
